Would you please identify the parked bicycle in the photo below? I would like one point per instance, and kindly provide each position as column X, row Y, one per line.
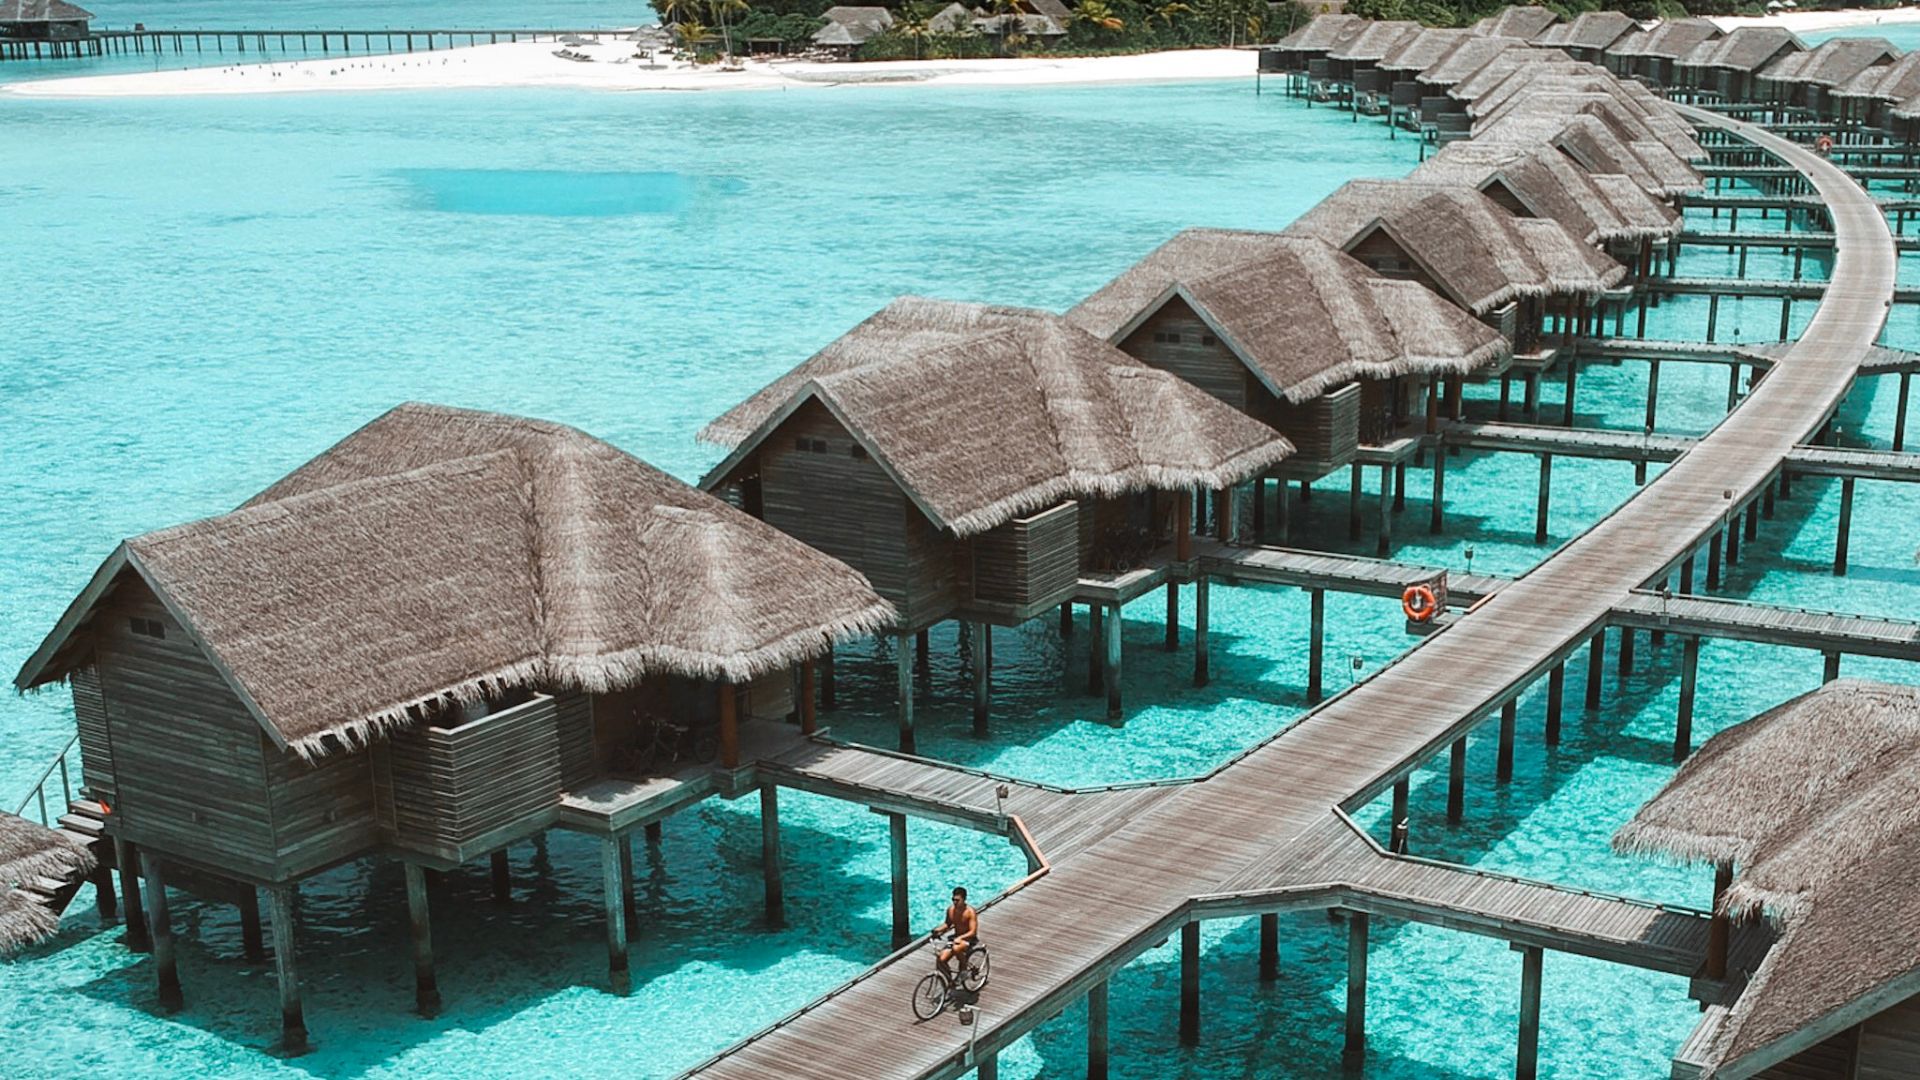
column 665, row 744
column 937, row 992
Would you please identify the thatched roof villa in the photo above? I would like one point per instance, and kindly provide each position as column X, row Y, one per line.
column 1597, row 146
column 1806, row 78
column 44, row 20
column 1869, row 97
column 1456, row 241
column 1651, row 54
column 1727, row 67
column 1632, row 109
column 1472, row 55
column 1293, row 332
column 1525, row 23
column 847, row 28
column 29, row 853
column 1355, row 61
column 975, row 462
column 1807, row 811
column 1297, row 51
column 1589, row 35
column 420, row 644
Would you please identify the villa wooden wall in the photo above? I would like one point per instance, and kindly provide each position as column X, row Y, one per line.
column 96, row 752
column 1890, row 1044
column 1175, row 340
column 1325, row 431
column 847, row 506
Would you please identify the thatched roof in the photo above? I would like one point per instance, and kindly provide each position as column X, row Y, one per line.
column 1481, row 256
column 42, row 11
column 1525, row 23
column 29, row 850
column 1633, row 109
column 1501, row 65
column 1470, row 56
column 1668, row 40
column 852, row 25
column 1599, row 209
column 1831, row 62
column 1424, row 49
column 1595, row 144
column 1813, row 803
column 442, row 553
column 1321, row 33
column 1746, row 49
column 1375, row 40
column 1304, row 317
column 982, row 413
column 1897, row 81
column 1591, row 30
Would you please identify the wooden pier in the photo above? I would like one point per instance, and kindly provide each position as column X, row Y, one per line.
column 275, row 44
column 1279, row 805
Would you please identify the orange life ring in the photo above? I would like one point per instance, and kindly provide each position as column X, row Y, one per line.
column 1823, row 145
column 1419, row 603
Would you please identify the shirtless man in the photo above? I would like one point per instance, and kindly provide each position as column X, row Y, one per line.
column 964, row 924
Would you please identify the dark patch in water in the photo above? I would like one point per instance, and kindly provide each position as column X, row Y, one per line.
column 556, row 193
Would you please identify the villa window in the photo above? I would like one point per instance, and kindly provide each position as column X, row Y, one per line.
column 152, row 628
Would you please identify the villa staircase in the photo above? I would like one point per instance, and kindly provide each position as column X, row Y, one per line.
column 85, row 824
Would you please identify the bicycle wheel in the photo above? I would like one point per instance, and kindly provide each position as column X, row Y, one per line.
column 974, row 976
column 930, row 997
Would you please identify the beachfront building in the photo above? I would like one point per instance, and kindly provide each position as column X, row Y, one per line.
column 1805, row 812
column 1868, row 99
column 847, row 28
column 1400, row 69
column 451, row 631
column 1807, row 79
column 1523, row 23
column 1300, row 336
column 1650, row 55
column 1352, row 74
column 1725, row 69
column 1589, row 35
column 977, row 463
column 44, row 20
column 1302, row 55
column 1448, row 114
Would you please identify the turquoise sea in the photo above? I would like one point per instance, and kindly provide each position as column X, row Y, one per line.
column 204, row 293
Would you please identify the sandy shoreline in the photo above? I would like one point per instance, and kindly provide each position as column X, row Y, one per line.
column 615, row 67
column 1806, row 21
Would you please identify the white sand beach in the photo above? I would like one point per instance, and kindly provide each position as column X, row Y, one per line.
column 1807, row 21
column 616, row 67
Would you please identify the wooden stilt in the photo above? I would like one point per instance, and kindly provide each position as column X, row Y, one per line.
column 1269, row 947
column 1439, row 490
column 1596, row 668
column 253, row 945
column 1401, row 792
column 1713, row 561
column 105, row 903
column 1753, row 520
column 1190, row 984
column 502, row 877
column 729, row 726
column 1200, row 673
column 1173, row 614
column 987, row 1067
column 1260, row 509
column 1733, row 539
column 1719, row 927
column 1831, row 669
column 982, row 677
column 1556, row 692
column 897, row 851
column 1625, row 657
column 1354, row 489
column 165, row 967
column 921, row 659
column 903, row 677
column 1689, row 682
column 1900, row 413
column 627, row 901
column 1573, row 382
column 1527, row 1057
column 1846, row 527
column 770, row 855
column 1066, row 621
column 1356, row 1044
column 1096, row 649
column 126, row 856
column 1182, row 529
column 1097, row 1068
column 1110, row 669
column 809, row 702
column 1316, row 645
column 615, row 901
column 1544, row 497
column 826, row 680
column 1457, row 781
column 293, row 1017
column 1503, row 763
column 1531, row 409
column 653, row 834
column 426, row 988
column 1384, row 546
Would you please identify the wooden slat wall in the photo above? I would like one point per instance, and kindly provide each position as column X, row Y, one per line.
column 322, row 811
column 96, row 751
column 187, row 759
column 849, row 508
column 1029, row 560
column 1325, row 432
column 1211, row 367
column 1890, row 1043
column 1831, row 1060
column 573, row 718
column 450, row 785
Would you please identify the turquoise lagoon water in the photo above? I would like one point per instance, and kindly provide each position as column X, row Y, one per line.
column 205, row 293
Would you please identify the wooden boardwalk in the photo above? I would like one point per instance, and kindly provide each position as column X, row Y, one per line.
column 1059, row 935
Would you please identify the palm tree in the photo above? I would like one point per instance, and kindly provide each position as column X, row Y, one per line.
column 1168, row 13
column 691, row 32
column 672, row 11
column 721, row 9
column 912, row 22
column 1097, row 14
column 1011, row 23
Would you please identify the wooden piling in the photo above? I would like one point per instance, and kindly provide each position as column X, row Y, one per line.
column 426, row 988
column 293, row 1018
column 1269, row 947
column 1110, row 667
column 1596, row 667
column 1689, row 683
column 1556, row 691
column 1356, row 1043
column 809, row 700
column 1713, row 561
column 1573, row 384
column 897, row 852
column 1399, row 826
column 776, row 895
column 252, row 944
column 1527, row 1055
column 1384, row 546
column 1900, row 413
column 1190, row 984
column 1439, row 489
column 1316, row 645
column 982, row 661
column 1200, row 673
column 614, row 901
column 1097, row 1062
column 1172, row 642
column 903, row 678
column 1846, row 527
column 1457, row 781
column 502, row 875
column 165, row 966
column 1503, row 765
column 1831, row 669
column 1354, row 489
column 126, row 856
column 1543, row 499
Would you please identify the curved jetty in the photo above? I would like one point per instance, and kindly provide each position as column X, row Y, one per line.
column 1269, row 832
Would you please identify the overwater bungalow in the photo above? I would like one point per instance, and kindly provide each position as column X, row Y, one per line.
column 1537, row 89
column 1806, row 814
column 1650, row 55
column 1302, row 55
column 1353, row 72
column 977, row 463
column 44, row 20
column 1608, row 210
column 1292, row 331
column 39, row 870
column 1511, row 272
column 1598, row 146
column 848, row 28
column 451, row 631
column 1806, row 79
column 1867, row 99
column 1725, row 69
column 1402, row 66
column 1524, row 23
column 1447, row 113
column 1588, row 36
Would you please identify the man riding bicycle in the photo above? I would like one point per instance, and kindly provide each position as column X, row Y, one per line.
column 964, row 924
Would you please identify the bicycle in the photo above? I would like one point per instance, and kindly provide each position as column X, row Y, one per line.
column 667, row 744
column 936, row 992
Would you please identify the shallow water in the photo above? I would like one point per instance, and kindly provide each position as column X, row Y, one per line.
column 207, row 293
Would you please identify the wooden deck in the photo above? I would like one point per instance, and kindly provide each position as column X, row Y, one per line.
column 1896, row 466
column 1061, row 934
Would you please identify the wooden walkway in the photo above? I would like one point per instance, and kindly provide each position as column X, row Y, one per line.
column 1059, row 935
column 1606, row 445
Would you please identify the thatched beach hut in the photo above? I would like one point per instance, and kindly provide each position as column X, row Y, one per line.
column 37, row 865
column 1868, row 98
column 1807, row 812
column 846, row 28
column 423, row 643
column 1725, row 68
column 1543, row 88
column 1354, row 62
column 1650, row 54
column 44, row 20
column 1524, row 23
column 1597, row 145
column 1589, row 35
column 1508, row 271
column 1400, row 69
column 1306, row 48
column 976, row 462
column 1806, row 79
